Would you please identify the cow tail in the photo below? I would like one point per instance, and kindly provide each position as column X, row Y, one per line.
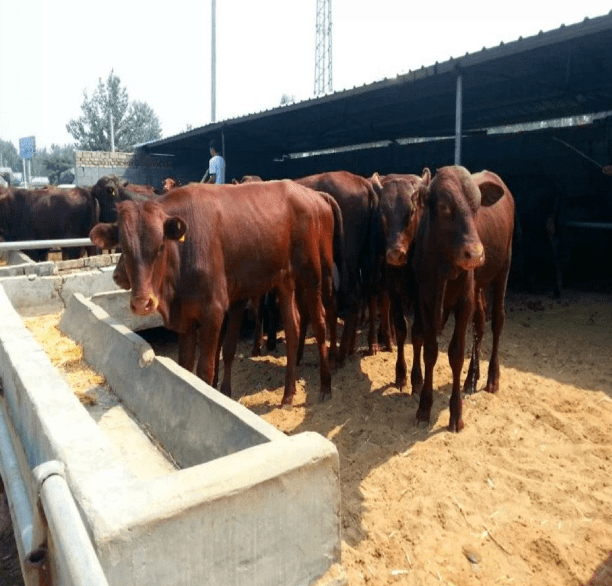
column 338, row 244
column 376, row 248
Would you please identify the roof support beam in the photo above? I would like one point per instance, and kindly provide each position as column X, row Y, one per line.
column 458, row 119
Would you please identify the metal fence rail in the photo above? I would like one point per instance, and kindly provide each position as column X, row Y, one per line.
column 34, row 244
column 75, row 554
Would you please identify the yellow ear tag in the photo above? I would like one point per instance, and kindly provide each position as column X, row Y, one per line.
column 182, row 238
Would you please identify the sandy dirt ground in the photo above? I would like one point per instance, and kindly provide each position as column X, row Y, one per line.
column 523, row 495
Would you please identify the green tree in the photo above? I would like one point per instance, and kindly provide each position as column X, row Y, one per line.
column 57, row 162
column 133, row 122
column 9, row 155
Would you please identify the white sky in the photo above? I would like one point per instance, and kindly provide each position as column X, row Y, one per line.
column 53, row 50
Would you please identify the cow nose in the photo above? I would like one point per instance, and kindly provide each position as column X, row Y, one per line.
column 396, row 257
column 143, row 305
column 473, row 256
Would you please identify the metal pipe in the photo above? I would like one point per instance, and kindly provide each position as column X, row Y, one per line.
column 458, row 119
column 34, row 244
column 16, row 489
column 70, row 538
column 596, row 225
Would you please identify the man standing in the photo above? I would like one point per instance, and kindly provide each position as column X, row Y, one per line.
column 216, row 166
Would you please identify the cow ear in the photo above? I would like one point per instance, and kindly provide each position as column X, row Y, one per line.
column 376, row 183
column 105, row 235
column 112, row 192
column 175, row 229
column 421, row 195
column 491, row 188
column 426, row 176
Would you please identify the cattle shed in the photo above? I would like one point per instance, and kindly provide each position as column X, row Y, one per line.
column 489, row 109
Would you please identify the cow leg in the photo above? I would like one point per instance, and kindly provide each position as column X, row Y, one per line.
column 372, row 335
column 473, row 375
column 208, row 339
column 187, row 348
column 317, row 313
column 498, row 317
column 218, row 354
column 271, row 311
column 258, row 335
column 416, row 374
column 456, row 356
column 332, row 322
column 401, row 333
column 430, row 356
column 349, row 332
column 230, row 341
column 304, row 315
column 286, row 297
column 385, row 335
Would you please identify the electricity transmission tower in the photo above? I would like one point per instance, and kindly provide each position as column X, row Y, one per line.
column 323, row 49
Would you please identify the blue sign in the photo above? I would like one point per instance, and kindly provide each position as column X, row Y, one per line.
column 27, row 147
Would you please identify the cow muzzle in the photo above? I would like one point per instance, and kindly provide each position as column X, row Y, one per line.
column 396, row 257
column 144, row 305
column 472, row 256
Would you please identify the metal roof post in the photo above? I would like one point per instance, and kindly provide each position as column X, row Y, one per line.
column 213, row 65
column 458, row 115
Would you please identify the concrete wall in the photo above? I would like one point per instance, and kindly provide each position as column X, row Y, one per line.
column 251, row 505
column 137, row 168
column 35, row 294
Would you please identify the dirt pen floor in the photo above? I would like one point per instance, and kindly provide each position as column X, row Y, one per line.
column 523, row 495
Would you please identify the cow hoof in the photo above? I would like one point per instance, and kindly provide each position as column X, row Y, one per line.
column 256, row 352
column 455, row 426
column 286, row 405
column 400, row 383
column 323, row 397
column 492, row 388
column 422, row 417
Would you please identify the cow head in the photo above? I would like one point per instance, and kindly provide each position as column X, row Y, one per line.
column 453, row 199
column 149, row 260
column 400, row 209
column 106, row 192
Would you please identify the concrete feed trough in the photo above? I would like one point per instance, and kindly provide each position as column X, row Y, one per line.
column 239, row 503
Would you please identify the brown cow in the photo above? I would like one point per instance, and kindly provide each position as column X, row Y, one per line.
column 47, row 214
column 358, row 203
column 247, row 179
column 463, row 245
column 201, row 250
column 400, row 213
column 169, row 183
column 111, row 189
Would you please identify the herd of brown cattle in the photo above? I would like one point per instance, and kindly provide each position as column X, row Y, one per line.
column 403, row 244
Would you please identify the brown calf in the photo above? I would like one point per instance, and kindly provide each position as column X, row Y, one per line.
column 463, row 245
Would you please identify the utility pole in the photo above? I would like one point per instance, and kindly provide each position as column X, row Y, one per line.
column 323, row 49
column 112, row 133
column 213, row 65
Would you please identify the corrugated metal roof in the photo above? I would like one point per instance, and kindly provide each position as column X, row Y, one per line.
column 563, row 72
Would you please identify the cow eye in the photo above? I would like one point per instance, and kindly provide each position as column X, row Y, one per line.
column 444, row 209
